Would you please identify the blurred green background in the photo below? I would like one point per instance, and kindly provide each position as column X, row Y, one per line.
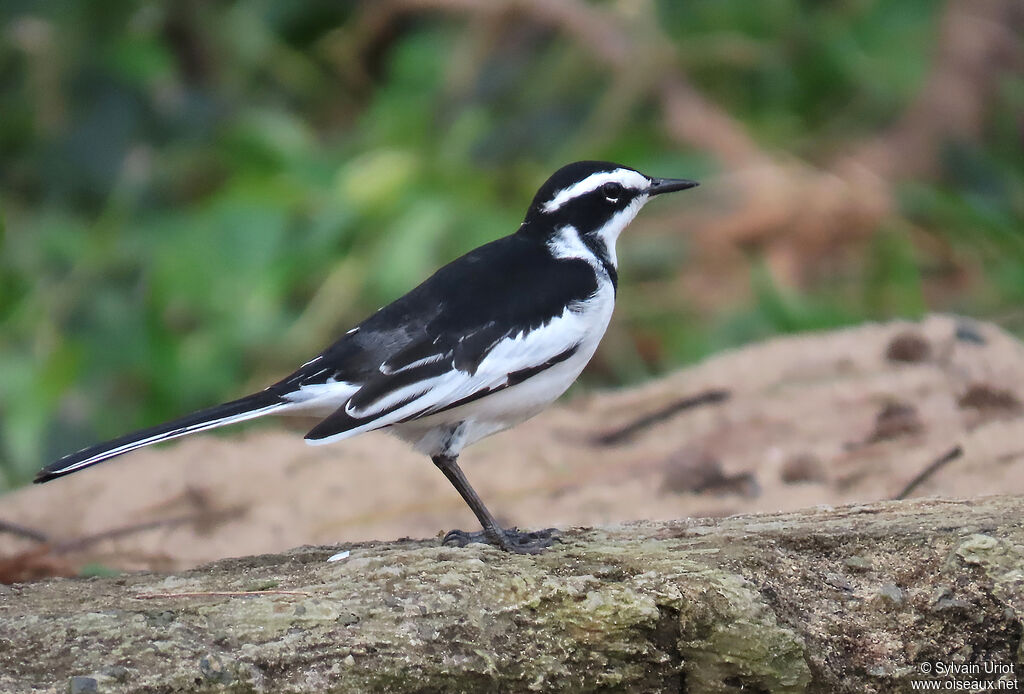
column 197, row 196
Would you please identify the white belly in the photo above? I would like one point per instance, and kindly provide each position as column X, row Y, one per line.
column 507, row 407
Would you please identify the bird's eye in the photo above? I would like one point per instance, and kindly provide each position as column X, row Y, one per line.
column 612, row 191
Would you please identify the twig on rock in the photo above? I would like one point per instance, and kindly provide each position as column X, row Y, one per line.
column 633, row 428
column 23, row 531
column 932, row 468
column 219, row 594
column 80, row 543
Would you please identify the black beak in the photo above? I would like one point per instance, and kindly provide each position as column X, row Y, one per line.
column 669, row 185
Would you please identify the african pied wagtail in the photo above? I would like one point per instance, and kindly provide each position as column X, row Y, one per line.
column 487, row 342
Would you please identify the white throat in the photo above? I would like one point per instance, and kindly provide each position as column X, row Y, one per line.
column 609, row 233
column 568, row 242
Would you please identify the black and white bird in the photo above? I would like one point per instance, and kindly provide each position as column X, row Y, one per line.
column 488, row 341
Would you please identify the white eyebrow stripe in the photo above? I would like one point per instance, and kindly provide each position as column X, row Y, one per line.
column 626, row 177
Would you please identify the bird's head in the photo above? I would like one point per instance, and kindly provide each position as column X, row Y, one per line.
column 596, row 198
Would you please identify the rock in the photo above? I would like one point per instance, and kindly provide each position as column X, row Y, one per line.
column 83, row 685
column 117, row 673
column 896, row 419
column 970, row 332
column 697, row 471
column 802, row 468
column 213, row 669
column 985, row 397
column 728, row 605
column 858, row 563
column 839, row 581
column 908, row 347
column 890, row 594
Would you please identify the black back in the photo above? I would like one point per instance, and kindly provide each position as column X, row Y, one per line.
column 509, row 285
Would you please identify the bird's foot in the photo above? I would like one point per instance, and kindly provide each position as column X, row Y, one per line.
column 509, row 539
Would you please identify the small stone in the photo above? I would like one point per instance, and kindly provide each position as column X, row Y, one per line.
column 952, row 605
column 347, row 618
column 908, row 347
column 891, row 594
column 858, row 563
column 83, row 685
column 988, row 398
column 979, row 549
column 695, row 470
column 839, row 581
column 969, row 332
column 256, row 586
column 212, row 668
column 348, row 660
column 118, row 673
column 895, row 419
column 224, row 640
column 162, row 618
column 802, row 468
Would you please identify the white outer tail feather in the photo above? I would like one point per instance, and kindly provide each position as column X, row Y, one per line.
column 244, row 409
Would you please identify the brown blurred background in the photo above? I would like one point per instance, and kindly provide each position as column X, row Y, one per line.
column 198, row 196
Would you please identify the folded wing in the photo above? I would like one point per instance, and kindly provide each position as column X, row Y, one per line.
column 480, row 364
column 441, row 345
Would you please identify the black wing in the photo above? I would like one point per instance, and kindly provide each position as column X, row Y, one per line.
column 451, row 322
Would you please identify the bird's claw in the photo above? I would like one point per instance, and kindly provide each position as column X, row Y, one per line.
column 510, row 539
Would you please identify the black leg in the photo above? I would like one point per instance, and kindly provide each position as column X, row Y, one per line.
column 510, row 540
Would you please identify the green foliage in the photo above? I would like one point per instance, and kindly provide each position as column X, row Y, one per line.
column 194, row 197
column 97, row 571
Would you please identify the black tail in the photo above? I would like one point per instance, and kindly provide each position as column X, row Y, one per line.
column 249, row 407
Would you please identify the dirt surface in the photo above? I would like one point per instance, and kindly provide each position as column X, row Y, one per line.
column 822, row 419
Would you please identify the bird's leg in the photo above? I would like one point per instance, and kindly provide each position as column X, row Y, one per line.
column 510, row 540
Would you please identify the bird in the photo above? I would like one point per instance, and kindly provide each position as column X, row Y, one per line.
column 486, row 342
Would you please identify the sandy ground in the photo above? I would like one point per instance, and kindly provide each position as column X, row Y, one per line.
column 822, row 419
